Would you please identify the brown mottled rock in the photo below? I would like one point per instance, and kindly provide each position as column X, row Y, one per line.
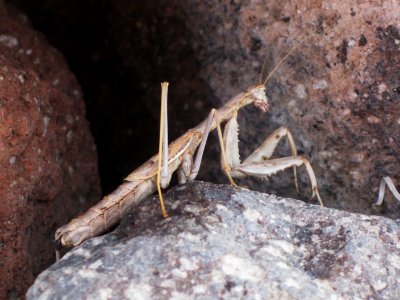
column 226, row 243
column 47, row 155
column 335, row 92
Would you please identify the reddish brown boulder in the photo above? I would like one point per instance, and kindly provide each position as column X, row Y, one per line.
column 47, row 155
column 335, row 92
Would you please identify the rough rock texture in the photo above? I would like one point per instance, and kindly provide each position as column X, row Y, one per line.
column 229, row 244
column 335, row 92
column 48, row 159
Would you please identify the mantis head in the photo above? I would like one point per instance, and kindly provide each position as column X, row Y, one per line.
column 259, row 97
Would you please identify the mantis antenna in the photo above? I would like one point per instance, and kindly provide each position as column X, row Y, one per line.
column 281, row 61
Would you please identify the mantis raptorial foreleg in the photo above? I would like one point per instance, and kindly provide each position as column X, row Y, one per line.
column 386, row 181
column 258, row 163
column 267, row 148
column 226, row 166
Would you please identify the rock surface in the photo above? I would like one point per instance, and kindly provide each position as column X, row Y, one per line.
column 227, row 243
column 48, row 158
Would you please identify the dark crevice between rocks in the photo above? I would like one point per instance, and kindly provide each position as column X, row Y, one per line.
column 120, row 52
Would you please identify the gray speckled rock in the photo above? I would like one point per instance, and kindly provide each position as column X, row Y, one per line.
column 220, row 242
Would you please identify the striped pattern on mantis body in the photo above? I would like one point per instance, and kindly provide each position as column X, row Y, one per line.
column 141, row 183
column 178, row 156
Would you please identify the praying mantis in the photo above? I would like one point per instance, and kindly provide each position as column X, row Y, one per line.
column 178, row 157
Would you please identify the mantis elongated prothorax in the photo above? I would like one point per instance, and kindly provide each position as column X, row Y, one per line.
column 178, row 156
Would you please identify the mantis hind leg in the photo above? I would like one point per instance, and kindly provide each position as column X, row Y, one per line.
column 188, row 169
column 163, row 177
column 267, row 148
column 270, row 167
